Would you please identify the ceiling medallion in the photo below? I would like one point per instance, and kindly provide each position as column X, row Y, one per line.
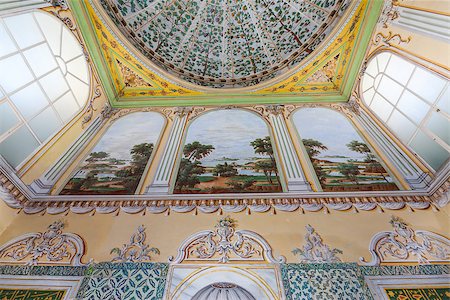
column 226, row 43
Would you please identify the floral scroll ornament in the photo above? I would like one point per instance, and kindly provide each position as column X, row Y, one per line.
column 50, row 247
column 315, row 251
column 136, row 250
column 406, row 244
column 225, row 244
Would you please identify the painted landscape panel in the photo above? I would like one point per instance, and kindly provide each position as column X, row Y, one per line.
column 227, row 151
column 340, row 157
column 117, row 162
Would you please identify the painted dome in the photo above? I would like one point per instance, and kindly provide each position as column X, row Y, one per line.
column 223, row 291
column 225, row 43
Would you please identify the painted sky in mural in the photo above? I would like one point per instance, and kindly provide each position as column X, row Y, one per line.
column 231, row 163
column 117, row 162
column 341, row 158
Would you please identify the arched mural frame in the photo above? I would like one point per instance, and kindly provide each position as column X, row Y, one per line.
column 418, row 62
column 96, row 139
column 358, row 130
column 191, row 120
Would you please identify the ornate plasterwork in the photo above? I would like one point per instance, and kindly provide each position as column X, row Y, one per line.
column 315, row 251
column 131, row 78
column 136, row 250
column 387, row 40
column 326, row 73
column 49, row 247
column 225, row 244
column 390, row 12
column 404, row 244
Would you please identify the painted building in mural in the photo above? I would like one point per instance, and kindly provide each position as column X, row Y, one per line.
column 224, row 149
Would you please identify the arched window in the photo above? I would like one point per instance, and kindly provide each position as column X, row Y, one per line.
column 341, row 159
column 118, row 161
column 413, row 102
column 228, row 151
column 44, row 82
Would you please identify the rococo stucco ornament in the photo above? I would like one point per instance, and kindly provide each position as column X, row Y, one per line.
column 406, row 244
column 315, row 251
column 49, row 247
column 136, row 250
column 225, row 244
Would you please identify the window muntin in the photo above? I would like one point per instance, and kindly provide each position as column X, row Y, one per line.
column 413, row 102
column 44, row 82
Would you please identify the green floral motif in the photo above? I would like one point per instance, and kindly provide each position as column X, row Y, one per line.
column 418, row 294
column 13, row 294
column 225, row 42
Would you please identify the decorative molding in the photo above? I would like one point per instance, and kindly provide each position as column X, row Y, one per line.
column 50, row 247
column 136, row 250
column 225, row 244
column 389, row 13
column 388, row 40
column 405, row 244
column 89, row 110
column 315, row 251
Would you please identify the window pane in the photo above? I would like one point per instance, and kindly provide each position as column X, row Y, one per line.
column 381, row 107
column 18, row 73
column 6, row 45
column 54, row 85
column 390, row 89
column 444, row 102
column 79, row 88
column 40, row 59
column 413, row 107
column 79, row 69
column 70, row 46
column 45, row 124
column 426, row 84
column 368, row 96
column 440, row 126
column 399, row 69
column 8, row 118
column 24, row 30
column 18, row 146
column 66, row 106
column 402, row 127
column 429, row 150
column 52, row 31
column 29, row 100
column 382, row 60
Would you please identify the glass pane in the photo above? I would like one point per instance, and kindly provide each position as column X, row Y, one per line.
column 24, row 30
column 66, row 107
column 381, row 107
column 382, row 60
column 70, row 46
column 6, row 44
column 79, row 88
column 368, row 96
column 440, row 126
column 8, row 117
column 29, row 100
column 401, row 126
column 429, row 150
column 41, row 59
column 54, row 85
column 45, row 124
column 444, row 102
column 78, row 68
column 372, row 68
column 399, row 69
column 390, row 89
column 367, row 83
column 18, row 146
column 413, row 107
column 52, row 31
column 426, row 84
column 18, row 73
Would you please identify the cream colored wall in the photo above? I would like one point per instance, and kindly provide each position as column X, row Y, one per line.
column 436, row 6
column 7, row 216
column 348, row 231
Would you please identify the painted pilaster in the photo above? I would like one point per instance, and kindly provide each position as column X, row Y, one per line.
column 288, row 158
column 411, row 172
column 161, row 182
column 44, row 184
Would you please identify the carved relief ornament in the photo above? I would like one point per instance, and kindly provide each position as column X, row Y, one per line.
column 404, row 244
column 225, row 244
column 49, row 247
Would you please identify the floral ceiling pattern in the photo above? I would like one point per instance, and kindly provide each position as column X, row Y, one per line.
column 226, row 43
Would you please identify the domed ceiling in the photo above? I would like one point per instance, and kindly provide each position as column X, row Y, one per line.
column 225, row 43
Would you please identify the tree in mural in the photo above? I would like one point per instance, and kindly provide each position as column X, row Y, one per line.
column 97, row 156
column 190, row 165
column 314, row 148
column 264, row 147
column 373, row 165
column 225, row 170
column 350, row 171
column 267, row 167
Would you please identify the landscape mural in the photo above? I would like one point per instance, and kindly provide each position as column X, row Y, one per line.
column 228, row 151
column 341, row 159
column 117, row 162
